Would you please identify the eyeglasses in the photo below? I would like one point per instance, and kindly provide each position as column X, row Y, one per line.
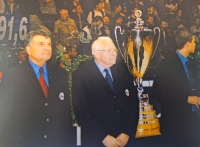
column 110, row 50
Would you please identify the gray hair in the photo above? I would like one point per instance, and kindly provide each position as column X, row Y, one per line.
column 34, row 33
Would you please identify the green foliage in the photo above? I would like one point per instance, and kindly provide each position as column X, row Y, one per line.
column 70, row 67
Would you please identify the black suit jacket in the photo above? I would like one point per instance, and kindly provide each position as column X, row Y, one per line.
column 26, row 116
column 98, row 109
column 171, row 88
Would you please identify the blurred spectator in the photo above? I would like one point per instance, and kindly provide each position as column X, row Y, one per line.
column 96, row 12
column 71, row 6
column 48, row 7
column 91, row 32
column 69, row 55
column 79, row 18
column 152, row 11
column 131, row 19
column 117, row 10
column 195, row 28
column 171, row 7
column 17, row 58
column 165, row 44
column 12, row 7
column 106, row 7
column 149, row 22
column 134, row 4
column 65, row 30
column 2, row 6
column 177, row 21
column 49, row 13
column 161, row 8
column 105, row 29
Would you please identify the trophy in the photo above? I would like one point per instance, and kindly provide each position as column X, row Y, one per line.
column 138, row 53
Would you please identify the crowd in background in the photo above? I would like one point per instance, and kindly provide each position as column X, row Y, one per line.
column 70, row 20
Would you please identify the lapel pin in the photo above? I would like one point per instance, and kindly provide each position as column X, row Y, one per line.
column 61, row 96
column 127, row 92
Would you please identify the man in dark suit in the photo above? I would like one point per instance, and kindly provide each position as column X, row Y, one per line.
column 177, row 88
column 79, row 18
column 34, row 99
column 106, row 111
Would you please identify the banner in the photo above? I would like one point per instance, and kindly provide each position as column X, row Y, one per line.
column 13, row 30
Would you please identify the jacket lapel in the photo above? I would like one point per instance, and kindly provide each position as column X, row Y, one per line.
column 31, row 77
column 98, row 76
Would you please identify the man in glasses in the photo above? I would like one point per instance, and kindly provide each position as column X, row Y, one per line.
column 104, row 99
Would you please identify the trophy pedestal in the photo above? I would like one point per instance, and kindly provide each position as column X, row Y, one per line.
column 148, row 124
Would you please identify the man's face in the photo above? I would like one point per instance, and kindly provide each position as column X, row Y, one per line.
column 106, row 20
column 107, row 55
column 100, row 6
column 192, row 45
column 73, row 53
column 119, row 21
column 39, row 50
column 64, row 15
column 22, row 55
column 79, row 9
column 179, row 14
column 163, row 25
column 150, row 20
column 118, row 9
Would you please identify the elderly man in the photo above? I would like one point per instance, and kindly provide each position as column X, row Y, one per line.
column 104, row 99
column 34, row 99
column 65, row 30
column 177, row 87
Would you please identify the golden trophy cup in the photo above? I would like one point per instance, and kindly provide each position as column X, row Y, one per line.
column 138, row 53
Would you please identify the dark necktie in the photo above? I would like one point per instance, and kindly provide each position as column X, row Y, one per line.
column 43, row 83
column 191, row 81
column 109, row 80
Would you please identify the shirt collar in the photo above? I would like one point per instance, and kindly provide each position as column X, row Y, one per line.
column 101, row 68
column 36, row 68
column 183, row 59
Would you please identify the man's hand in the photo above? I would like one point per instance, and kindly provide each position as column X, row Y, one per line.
column 195, row 100
column 122, row 139
column 110, row 141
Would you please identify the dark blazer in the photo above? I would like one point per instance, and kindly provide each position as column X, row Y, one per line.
column 98, row 109
column 171, row 88
column 27, row 118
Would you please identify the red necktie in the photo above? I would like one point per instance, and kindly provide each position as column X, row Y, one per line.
column 43, row 83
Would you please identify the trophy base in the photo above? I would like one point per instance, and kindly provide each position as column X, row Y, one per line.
column 148, row 132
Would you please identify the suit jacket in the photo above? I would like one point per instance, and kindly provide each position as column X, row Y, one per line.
column 27, row 118
column 171, row 88
column 98, row 109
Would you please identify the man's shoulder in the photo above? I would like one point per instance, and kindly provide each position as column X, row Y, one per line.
column 57, row 22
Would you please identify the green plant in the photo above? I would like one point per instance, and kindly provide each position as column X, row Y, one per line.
column 70, row 67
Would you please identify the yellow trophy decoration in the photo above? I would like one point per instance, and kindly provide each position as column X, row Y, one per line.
column 138, row 53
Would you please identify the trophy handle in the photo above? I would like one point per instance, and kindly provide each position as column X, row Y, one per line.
column 115, row 31
column 154, row 30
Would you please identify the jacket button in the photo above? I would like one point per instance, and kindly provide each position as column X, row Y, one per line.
column 46, row 104
column 45, row 136
column 117, row 111
column 47, row 119
column 114, row 96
